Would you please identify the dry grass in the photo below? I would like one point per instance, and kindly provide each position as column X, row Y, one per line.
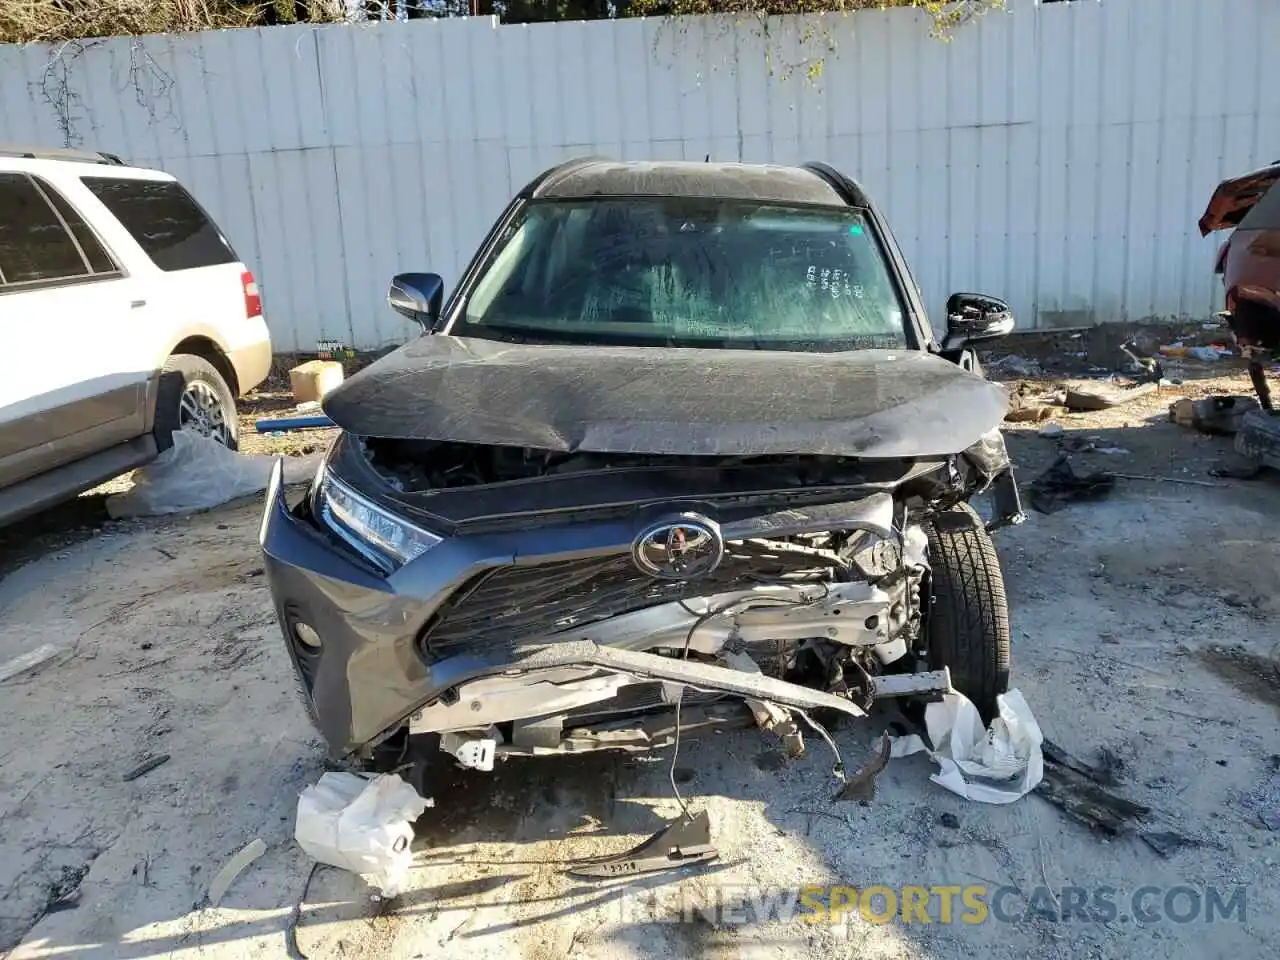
column 945, row 14
column 57, row 21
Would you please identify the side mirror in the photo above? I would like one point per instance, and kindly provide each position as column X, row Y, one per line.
column 972, row 317
column 417, row 296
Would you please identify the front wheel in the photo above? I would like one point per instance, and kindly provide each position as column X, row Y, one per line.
column 967, row 625
column 194, row 396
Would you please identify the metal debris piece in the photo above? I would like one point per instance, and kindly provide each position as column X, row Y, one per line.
column 233, row 868
column 1061, row 485
column 684, row 841
column 146, row 766
column 862, row 785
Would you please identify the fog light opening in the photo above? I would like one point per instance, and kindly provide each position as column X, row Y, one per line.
column 306, row 635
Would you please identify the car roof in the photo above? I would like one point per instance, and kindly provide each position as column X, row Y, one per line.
column 85, row 163
column 811, row 183
column 27, row 152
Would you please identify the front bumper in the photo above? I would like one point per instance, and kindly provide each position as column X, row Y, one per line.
column 387, row 646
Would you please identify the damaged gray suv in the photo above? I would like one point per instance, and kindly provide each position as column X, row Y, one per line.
column 680, row 452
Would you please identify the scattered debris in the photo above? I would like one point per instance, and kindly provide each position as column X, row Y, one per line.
column 1165, row 842
column 1075, row 787
column 1018, row 366
column 1264, row 801
column 1239, row 468
column 146, row 766
column 1104, row 773
column 28, row 661
column 233, row 868
column 1259, row 438
column 1060, row 485
column 862, row 785
column 1095, row 395
column 360, row 824
column 1029, row 403
column 1146, row 367
column 1153, row 479
column 1078, row 444
column 198, row 473
column 1207, row 354
column 64, row 893
column 683, row 842
column 1029, row 413
column 1080, row 796
column 1219, row 415
column 1051, row 431
column 995, row 765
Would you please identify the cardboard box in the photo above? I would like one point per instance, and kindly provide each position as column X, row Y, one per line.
column 313, row 379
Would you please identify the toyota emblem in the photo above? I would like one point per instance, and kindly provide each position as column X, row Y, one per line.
column 682, row 549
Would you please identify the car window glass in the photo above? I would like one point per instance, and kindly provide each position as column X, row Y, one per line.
column 99, row 260
column 34, row 245
column 689, row 271
column 165, row 221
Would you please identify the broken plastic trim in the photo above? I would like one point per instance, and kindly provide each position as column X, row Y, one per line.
column 682, row 842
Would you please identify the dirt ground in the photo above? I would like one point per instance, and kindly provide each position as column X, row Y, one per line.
column 1147, row 633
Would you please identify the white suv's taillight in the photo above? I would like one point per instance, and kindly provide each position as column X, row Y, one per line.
column 252, row 299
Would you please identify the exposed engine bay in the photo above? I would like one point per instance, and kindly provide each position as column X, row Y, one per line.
column 840, row 626
column 416, row 466
column 836, row 611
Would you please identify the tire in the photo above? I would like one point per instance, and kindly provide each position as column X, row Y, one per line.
column 193, row 395
column 967, row 625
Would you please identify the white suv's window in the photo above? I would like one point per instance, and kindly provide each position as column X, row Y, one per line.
column 165, row 220
column 42, row 240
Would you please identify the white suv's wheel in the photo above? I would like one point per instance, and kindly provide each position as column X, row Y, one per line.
column 194, row 396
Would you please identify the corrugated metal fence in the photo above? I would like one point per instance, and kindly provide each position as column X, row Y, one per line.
column 1057, row 154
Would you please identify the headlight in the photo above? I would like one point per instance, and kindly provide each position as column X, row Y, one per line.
column 384, row 538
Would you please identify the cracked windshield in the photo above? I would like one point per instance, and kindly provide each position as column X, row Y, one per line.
column 690, row 272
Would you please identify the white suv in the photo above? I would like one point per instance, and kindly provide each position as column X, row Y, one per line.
column 126, row 316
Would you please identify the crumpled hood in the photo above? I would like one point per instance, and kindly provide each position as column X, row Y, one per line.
column 669, row 401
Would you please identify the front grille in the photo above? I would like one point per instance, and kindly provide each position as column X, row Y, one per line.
column 507, row 606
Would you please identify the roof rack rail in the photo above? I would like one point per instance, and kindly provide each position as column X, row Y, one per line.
column 60, row 153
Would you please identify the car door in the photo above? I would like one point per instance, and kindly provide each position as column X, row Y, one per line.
column 64, row 301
